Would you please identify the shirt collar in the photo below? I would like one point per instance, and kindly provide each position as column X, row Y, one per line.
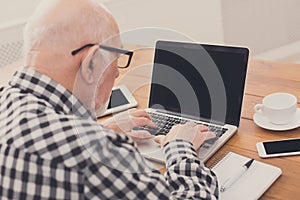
column 46, row 88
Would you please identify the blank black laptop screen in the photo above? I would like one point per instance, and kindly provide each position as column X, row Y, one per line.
column 203, row 81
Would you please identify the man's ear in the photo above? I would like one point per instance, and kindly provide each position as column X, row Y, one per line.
column 86, row 69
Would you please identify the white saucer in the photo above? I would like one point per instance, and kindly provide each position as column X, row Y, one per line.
column 261, row 121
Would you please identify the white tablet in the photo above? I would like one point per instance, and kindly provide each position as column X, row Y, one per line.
column 121, row 99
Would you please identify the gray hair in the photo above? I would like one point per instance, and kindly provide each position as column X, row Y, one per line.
column 59, row 34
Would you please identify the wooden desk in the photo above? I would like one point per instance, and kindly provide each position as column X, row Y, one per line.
column 264, row 77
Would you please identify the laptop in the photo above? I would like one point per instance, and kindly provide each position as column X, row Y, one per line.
column 195, row 82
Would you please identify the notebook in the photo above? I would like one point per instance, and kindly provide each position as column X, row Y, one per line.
column 252, row 184
column 196, row 82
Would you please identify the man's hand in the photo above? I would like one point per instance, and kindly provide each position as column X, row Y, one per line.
column 124, row 123
column 191, row 132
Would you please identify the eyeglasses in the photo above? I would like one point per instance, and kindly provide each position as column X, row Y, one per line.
column 124, row 56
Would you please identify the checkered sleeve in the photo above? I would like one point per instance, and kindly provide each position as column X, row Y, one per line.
column 51, row 147
column 186, row 174
column 118, row 171
column 127, row 175
column 27, row 176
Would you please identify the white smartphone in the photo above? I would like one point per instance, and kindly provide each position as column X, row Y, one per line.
column 278, row 148
column 121, row 99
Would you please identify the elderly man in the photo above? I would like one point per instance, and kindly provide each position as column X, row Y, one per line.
column 51, row 144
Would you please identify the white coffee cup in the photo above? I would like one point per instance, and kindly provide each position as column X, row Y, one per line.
column 279, row 108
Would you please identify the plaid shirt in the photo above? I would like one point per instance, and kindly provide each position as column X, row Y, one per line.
column 53, row 148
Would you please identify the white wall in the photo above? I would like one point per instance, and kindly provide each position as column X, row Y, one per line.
column 262, row 25
column 16, row 10
column 199, row 19
column 269, row 28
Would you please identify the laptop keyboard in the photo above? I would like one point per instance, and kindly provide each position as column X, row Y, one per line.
column 165, row 123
